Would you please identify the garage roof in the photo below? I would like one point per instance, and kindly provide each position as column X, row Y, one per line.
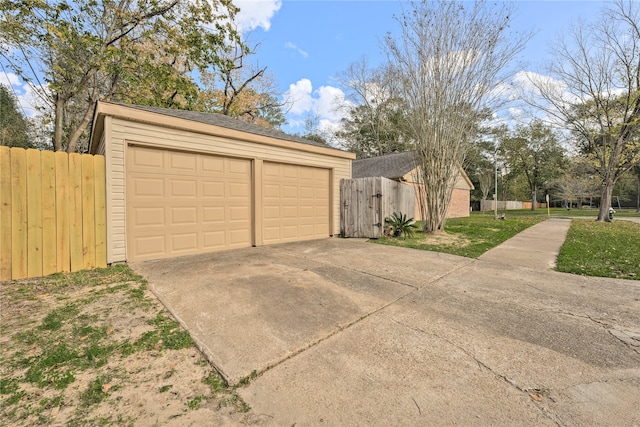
column 207, row 123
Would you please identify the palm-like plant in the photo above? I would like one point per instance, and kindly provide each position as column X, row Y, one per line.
column 398, row 225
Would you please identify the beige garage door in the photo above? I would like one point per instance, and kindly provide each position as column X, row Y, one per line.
column 185, row 203
column 295, row 203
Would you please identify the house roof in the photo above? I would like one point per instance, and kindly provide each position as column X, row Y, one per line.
column 208, row 123
column 392, row 166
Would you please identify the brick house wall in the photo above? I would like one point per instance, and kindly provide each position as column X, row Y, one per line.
column 460, row 198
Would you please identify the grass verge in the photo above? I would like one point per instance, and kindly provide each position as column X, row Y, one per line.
column 468, row 237
column 601, row 249
column 96, row 348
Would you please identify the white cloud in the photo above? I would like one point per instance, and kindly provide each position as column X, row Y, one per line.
column 256, row 14
column 299, row 95
column 302, row 53
column 27, row 99
column 328, row 102
column 323, row 103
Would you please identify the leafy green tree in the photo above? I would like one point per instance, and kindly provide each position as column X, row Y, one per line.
column 598, row 99
column 534, row 152
column 373, row 132
column 14, row 126
column 74, row 53
column 373, row 123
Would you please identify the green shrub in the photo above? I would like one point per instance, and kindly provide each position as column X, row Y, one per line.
column 398, row 225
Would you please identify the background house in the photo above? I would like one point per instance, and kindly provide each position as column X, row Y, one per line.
column 402, row 167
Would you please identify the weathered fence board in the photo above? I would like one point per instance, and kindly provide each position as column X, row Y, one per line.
column 365, row 203
column 52, row 212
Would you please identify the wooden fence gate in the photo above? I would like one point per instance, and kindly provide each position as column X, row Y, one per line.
column 366, row 202
column 52, row 212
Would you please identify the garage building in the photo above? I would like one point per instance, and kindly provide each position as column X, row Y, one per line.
column 182, row 182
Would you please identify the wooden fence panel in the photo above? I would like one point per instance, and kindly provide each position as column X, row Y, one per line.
column 88, row 213
column 52, row 212
column 18, row 213
column 99, row 168
column 366, row 202
column 49, row 261
column 34, row 214
column 5, row 214
column 75, row 212
column 63, row 220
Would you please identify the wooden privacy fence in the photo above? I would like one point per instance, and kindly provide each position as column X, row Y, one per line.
column 366, row 202
column 52, row 212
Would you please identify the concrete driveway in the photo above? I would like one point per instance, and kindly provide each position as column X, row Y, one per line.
column 344, row 332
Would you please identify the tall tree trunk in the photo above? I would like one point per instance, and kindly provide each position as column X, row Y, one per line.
column 534, row 198
column 605, row 201
column 75, row 136
column 58, row 121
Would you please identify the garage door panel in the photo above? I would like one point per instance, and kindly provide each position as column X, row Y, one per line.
column 241, row 214
column 149, row 217
column 239, row 190
column 212, row 165
column 214, row 240
column 213, row 215
column 237, row 167
column 307, row 212
column 183, row 188
column 145, row 159
column 184, row 242
column 184, row 215
column 292, row 209
column 213, row 189
column 290, row 231
column 149, row 246
column 238, row 237
column 181, row 163
column 147, row 187
column 189, row 205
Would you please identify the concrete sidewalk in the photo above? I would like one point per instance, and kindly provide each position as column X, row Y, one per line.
column 536, row 247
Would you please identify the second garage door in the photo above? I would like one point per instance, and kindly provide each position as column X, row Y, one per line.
column 295, row 203
column 185, row 203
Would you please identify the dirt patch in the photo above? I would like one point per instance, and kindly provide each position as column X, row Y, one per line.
column 444, row 239
column 97, row 348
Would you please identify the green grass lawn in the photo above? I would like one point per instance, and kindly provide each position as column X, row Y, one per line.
column 469, row 237
column 602, row 249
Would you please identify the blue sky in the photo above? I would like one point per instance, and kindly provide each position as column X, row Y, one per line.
column 305, row 44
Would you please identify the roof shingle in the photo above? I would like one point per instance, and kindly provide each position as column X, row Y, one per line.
column 392, row 166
